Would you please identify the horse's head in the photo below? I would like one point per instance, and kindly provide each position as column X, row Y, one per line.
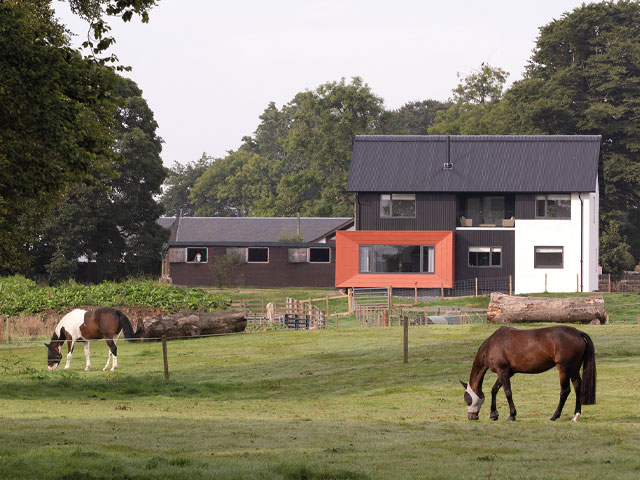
column 54, row 355
column 474, row 402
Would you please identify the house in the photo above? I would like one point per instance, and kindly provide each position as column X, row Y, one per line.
column 435, row 211
column 268, row 249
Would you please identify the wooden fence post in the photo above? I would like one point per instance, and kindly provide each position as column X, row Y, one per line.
column 350, row 299
column 545, row 283
column 164, row 356
column 415, row 293
column 327, row 313
column 441, row 289
column 405, row 355
column 386, row 318
column 609, row 283
column 476, row 286
column 510, row 284
column 390, row 293
column 6, row 327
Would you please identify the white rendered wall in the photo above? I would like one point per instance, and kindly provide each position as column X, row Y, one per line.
column 559, row 233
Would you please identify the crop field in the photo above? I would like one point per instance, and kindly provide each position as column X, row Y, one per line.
column 332, row 404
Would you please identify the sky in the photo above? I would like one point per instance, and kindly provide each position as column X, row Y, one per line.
column 209, row 68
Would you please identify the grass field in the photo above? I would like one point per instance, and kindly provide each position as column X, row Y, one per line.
column 332, row 404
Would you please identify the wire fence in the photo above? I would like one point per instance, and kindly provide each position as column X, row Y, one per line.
column 626, row 282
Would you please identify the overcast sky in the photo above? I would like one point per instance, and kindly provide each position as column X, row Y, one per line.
column 209, row 68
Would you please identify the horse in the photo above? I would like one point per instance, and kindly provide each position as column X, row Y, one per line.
column 81, row 326
column 509, row 351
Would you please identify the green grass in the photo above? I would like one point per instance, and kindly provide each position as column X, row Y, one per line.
column 333, row 404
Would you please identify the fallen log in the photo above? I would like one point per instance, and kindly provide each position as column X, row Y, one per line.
column 512, row 309
column 188, row 323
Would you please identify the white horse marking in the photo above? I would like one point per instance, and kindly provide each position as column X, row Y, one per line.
column 476, row 401
column 575, row 417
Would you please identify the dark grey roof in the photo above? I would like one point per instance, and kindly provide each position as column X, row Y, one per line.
column 166, row 222
column 254, row 229
column 491, row 163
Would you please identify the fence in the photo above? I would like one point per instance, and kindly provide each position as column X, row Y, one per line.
column 298, row 314
column 627, row 282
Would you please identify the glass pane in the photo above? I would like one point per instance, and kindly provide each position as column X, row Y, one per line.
column 493, row 211
column 474, row 210
column 319, row 255
column 403, row 205
column 297, row 255
column 483, row 259
column 559, row 206
column 258, row 254
column 496, row 258
column 473, row 259
column 550, row 257
column 385, row 205
column 365, row 259
column 428, row 262
column 540, row 207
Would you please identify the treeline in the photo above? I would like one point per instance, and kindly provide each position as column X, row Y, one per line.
column 582, row 78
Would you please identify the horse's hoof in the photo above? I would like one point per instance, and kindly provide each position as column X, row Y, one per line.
column 511, row 419
column 553, row 419
column 86, row 369
column 494, row 416
column 575, row 417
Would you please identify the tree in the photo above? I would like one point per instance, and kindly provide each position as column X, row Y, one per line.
column 56, row 121
column 413, row 118
column 112, row 225
column 584, row 78
column 178, row 185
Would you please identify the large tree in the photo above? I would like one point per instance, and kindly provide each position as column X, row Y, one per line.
column 114, row 224
column 584, row 78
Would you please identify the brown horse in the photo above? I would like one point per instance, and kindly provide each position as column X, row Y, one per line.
column 509, row 351
column 81, row 326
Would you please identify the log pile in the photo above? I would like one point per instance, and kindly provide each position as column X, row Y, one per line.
column 188, row 323
column 512, row 309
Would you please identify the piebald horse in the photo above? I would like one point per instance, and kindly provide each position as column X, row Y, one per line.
column 80, row 326
column 509, row 351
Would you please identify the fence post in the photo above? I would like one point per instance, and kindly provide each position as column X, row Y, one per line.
column 415, row 292
column 327, row 314
column 386, row 318
column 405, row 355
column 545, row 283
column 6, row 327
column 390, row 293
column 476, row 286
column 441, row 289
column 510, row 284
column 350, row 299
column 609, row 283
column 164, row 356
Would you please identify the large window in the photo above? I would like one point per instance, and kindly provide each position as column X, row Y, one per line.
column 485, row 256
column 257, row 254
column 311, row 255
column 398, row 205
column 397, row 259
column 553, row 206
column 196, row 255
column 548, row 257
column 486, row 210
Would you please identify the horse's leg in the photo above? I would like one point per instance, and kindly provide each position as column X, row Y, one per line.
column 577, row 388
column 565, row 390
column 494, row 392
column 504, row 376
column 86, row 356
column 113, row 351
column 70, row 345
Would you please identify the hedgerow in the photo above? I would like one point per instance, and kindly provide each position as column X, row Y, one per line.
column 20, row 295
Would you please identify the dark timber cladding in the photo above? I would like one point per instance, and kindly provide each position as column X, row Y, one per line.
column 526, row 206
column 484, row 238
column 434, row 211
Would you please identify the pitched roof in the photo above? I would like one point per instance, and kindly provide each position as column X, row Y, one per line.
column 254, row 229
column 483, row 163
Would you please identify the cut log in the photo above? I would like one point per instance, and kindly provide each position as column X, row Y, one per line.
column 188, row 323
column 511, row 309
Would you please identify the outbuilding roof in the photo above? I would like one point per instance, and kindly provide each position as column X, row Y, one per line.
column 482, row 163
column 253, row 229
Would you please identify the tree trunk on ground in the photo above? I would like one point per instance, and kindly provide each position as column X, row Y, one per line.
column 510, row 309
column 187, row 323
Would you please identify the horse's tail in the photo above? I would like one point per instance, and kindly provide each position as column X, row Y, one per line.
column 129, row 334
column 588, row 390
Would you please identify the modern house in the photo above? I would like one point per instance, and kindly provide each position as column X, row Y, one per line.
column 432, row 211
column 271, row 252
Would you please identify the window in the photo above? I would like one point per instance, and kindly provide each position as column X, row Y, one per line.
column 257, row 254
column 485, row 256
column 487, row 210
column 238, row 252
column 196, row 255
column 297, row 255
column 319, row 255
column 398, row 205
column 553, row 206
column 397, row 259
column 548, row 257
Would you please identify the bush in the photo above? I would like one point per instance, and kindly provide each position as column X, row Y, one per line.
column 20, row 295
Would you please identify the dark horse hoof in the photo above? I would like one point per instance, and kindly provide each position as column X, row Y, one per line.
column 494, row 416
column 511, row 419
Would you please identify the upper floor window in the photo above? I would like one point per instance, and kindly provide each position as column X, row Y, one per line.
column 397, row 259
column 553, row 206
column 401, row 205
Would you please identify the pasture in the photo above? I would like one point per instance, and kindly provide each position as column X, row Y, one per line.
column 332, row 404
